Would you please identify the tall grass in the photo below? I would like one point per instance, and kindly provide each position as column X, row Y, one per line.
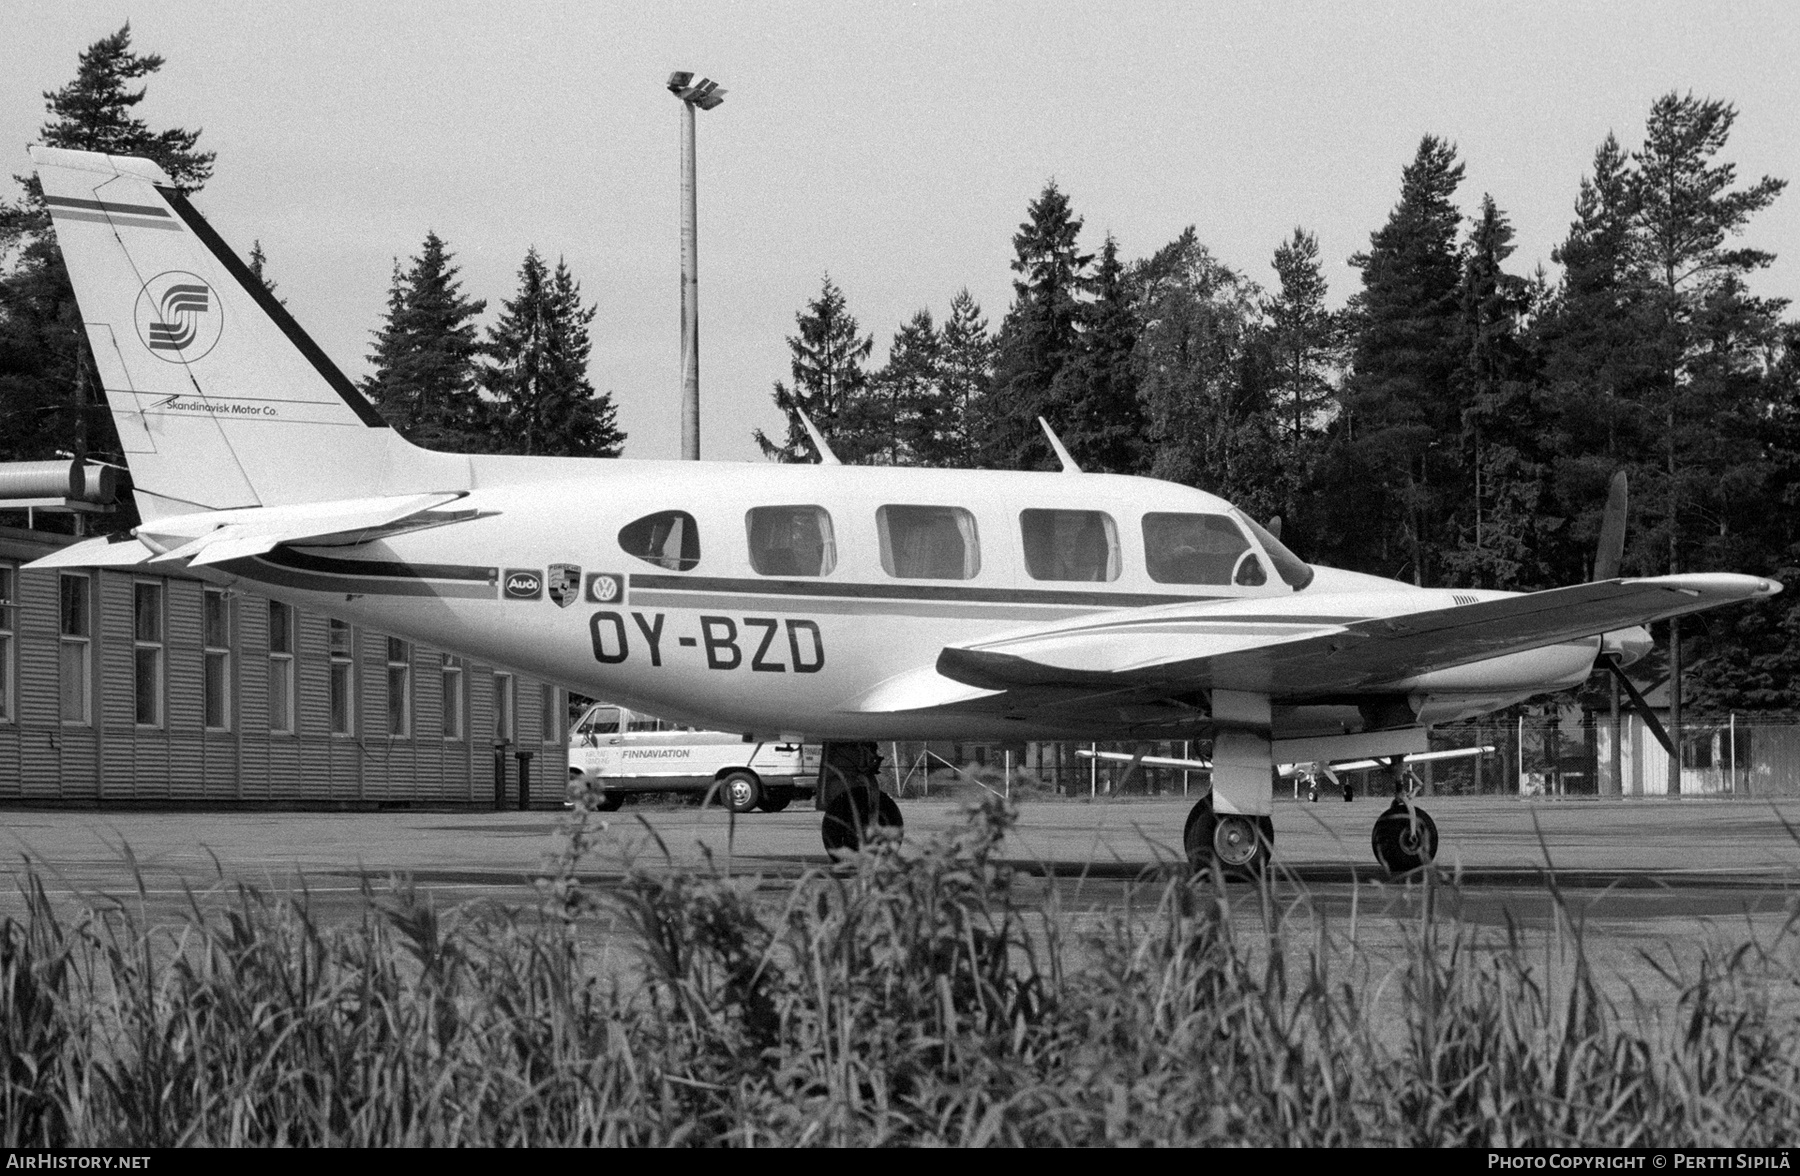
column 911, row 995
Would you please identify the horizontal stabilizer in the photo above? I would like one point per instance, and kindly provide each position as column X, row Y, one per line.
column 97, row 553
column 213, row 537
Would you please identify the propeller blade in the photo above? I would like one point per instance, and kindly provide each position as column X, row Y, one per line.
column 1638, row 704
column 1273, row 526
column 1611, row 551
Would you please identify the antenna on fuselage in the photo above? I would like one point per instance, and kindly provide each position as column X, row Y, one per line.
column 826, row 457
column 1062, row 452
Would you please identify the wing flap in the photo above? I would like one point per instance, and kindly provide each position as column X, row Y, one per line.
column 1311, row 656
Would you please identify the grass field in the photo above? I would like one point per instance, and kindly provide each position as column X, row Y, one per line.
column 915, row 994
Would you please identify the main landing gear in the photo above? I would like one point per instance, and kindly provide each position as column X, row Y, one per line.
column 851, row 798
column 1405, row 837
column 1236, row 845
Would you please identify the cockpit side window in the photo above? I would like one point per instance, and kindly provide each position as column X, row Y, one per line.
column 1198, row 549
column 668, row 539
column 928, row 542
column 791, row 541
column 1070, row 544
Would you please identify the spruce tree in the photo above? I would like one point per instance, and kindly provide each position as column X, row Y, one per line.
column 901, row 417
column 1204, row 391
column 1497, row 524
column 1398, row 397
column 50, row 396
column 829, row 379
column 1095, row 394
column 425, row 354
column 1040, row 333
column 537, row 371
column 966, row 353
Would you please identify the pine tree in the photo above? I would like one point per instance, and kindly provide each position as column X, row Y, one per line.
column 1398, row 398
column 49, row 393
column 1095, row 395
column 539, row 349
column 1040, row 333
column 1710, row 337
column 425, row 355
column 1305, row 341
column 828, row 380
column 1592, row 337
column 967, row 363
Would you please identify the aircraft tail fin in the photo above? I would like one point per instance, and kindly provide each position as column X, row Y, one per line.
column 221, row 401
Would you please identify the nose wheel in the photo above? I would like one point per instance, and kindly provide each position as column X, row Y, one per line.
column 1405, row 837
column 1237, row 846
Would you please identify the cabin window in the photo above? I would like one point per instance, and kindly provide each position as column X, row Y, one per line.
column 791, row 541
column 928, row 542
column 1070, row 544
column 1199, row 549
column 667, row 539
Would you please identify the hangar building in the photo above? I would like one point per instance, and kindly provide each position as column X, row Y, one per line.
column 120, row 687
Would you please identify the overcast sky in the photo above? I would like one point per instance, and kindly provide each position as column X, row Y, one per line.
column 894, row 145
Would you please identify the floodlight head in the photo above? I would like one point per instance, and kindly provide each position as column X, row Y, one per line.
column 704, row 93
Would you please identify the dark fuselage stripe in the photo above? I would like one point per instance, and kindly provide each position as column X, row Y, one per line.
column 725, row 602
column 938, row 592
column 303, row 561
column 262, row 571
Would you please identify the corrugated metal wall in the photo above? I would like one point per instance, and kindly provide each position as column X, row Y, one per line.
column 113, row 759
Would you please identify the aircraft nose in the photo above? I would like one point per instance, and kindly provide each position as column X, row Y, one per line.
column 1628, row 645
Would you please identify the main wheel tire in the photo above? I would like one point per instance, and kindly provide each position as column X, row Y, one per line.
column 776, row 799
column 1238, row 846
column 845, row 820
column 740, row 791
column 1404, row 839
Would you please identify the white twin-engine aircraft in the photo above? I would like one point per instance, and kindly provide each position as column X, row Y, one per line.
column 829, row 603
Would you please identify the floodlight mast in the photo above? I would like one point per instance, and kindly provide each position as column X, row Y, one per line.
column 705, row 94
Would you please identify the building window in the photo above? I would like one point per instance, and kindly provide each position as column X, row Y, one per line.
column 505, row 714
column 75, row 631
column 550, row 730
column 281, row 668
column 147, row 651
column 8, row 626
column 339, row 648
column 452, row 671
column 399, row 687
column 928, row 542
column 215, row 654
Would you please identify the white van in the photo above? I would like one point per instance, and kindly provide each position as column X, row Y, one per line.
column 621, row 751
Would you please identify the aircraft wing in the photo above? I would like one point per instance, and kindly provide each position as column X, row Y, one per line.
column 1287, row 653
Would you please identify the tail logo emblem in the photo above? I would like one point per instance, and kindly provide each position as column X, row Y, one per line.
column 179, row 318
